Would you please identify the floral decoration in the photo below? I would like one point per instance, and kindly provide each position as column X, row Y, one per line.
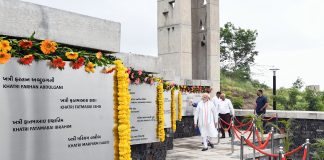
column 195, row 89
column 173, row 111
column 179, row 105
column 47, row 46
column 138, row 77
column 4, row 57
column 29, row 49
column 90, row 67
column 26, row 60
column 58, row 63
column 122, row 126
column 160, row 112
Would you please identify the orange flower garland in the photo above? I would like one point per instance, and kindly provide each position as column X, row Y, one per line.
column 90, row 67
column 48, row 46
column 5, row 46
column 25, row 44
column 78, row 63
column 72, row 55
column 99, row 55
column 58, row 63
column 28, row 59
column 4, row 57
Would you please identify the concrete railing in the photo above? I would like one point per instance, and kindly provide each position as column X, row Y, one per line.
column 285, row 114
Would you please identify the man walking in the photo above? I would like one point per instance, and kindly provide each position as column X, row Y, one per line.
column 206, row 117
column 261, row 103
column 216, row 98
column 225, row 109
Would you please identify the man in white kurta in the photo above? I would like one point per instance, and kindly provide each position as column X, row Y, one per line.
column 216, row 98
column 206, row 116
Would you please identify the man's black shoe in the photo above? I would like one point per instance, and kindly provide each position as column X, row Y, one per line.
column 211, row 145
column 204, row 149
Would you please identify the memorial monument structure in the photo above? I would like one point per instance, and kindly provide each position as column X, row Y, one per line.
column 45, row 112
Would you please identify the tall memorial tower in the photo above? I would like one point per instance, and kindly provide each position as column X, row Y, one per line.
column 188, row 40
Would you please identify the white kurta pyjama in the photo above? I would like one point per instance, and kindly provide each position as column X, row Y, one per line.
column 206, row 115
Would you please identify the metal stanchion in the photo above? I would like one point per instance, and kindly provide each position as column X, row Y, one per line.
column 232, row 137
column 276, row 123
column 272, row 141
column 281, row 153
column 308, row 149
column 253, row 129
column 218, row 129
column 242, row 147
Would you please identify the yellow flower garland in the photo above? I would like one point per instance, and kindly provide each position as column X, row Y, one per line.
column 179, row 105
column 173, row 112
column 122, row 126
column 160, row 112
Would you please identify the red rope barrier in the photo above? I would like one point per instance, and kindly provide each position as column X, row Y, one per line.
column 226, row 129
column 293, row 151
column 258, row 137
column 236, row 130
column 266, row 142
column 250, row 135
column 225, row 122
column 238, row 137
column 240, row 123
column 240, row 126
column 244, row 131
column 249, row 143
column 305, row 153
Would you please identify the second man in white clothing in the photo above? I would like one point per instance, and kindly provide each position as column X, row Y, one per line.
column 225, row 109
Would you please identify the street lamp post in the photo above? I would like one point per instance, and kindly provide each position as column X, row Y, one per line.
column 274, row 91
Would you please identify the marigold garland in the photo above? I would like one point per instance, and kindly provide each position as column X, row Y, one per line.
column 160, row 112
column 179, row 105
column 122, row 126
column 173, row 111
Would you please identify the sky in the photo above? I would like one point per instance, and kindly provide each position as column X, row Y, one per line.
column 290, row 32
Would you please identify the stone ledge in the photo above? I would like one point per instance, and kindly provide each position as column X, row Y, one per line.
column 285, row 114
column 21, row 19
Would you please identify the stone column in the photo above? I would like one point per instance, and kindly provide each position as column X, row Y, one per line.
column 205, row 41
column 174, row 39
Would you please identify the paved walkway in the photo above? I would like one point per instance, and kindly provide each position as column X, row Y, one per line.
column 190, row 149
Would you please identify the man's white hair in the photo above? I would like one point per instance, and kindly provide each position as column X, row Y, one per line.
column 206, row 95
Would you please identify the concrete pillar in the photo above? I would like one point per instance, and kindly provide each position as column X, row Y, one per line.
column 205, row 41
column 174, row 39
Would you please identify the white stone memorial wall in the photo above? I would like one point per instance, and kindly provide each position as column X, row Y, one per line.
column 167, row 109
column 143, row 113
column 52, row 114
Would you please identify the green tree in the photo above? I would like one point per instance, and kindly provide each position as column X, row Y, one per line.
column 237, row 49
column 298, row 83
column 313, row 99
column 292, row 97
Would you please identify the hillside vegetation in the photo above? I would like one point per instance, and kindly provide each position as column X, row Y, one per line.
column 241, row 91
